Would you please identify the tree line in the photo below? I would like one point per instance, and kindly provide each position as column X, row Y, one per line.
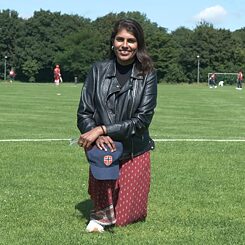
column 33, row 46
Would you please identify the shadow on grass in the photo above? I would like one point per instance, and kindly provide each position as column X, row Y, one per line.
column 83, row 209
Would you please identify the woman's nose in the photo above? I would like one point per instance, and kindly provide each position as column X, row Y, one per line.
column 125, row 43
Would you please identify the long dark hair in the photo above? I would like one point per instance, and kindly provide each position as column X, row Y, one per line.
column 143, row 60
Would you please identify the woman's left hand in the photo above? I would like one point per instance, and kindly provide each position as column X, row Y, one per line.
column 104, row 141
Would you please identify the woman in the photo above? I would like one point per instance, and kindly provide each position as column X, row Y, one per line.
column 117, row 104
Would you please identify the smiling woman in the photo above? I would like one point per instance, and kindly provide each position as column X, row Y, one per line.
column 125, row 46
column 117, row 104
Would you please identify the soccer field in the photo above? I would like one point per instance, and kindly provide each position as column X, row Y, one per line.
column 197, row 190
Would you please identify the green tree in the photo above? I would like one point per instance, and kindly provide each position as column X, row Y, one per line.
column 42, row 39
column 211, row 44
column 35, row 45
column 10, row 26
column 80, row 50
column 239, row 57
column 185, row 58
column 30, row 69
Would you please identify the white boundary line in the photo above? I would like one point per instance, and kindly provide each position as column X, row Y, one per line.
column 200, row 140
column 156, row 140
column 32, row 140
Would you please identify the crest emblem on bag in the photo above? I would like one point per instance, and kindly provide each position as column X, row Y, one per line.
column 107, row 160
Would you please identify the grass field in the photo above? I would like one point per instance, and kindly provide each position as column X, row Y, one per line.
column 197, row 190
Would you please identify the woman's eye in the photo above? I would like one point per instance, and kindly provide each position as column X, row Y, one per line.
column 120, row 39
column 131, row 40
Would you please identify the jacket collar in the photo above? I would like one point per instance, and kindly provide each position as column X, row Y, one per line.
column 111, row 71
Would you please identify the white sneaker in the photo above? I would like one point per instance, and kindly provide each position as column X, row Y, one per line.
column 93, row 226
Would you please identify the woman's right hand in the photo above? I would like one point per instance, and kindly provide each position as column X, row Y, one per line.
column 88, row 138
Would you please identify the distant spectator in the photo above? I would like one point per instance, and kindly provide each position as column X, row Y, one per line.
column 212, row 81
column 57, row 75
column 239, row 80
column 12, row 75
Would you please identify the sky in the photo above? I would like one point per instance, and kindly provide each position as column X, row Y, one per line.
column 170, row 14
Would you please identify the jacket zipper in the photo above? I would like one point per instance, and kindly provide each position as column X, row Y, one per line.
column 133, row 98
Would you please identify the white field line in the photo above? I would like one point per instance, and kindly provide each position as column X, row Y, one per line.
column 32, row 140
column 156, row 140
column 200, row 140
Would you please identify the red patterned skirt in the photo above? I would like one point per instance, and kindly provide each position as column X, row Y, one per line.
column 122, row 201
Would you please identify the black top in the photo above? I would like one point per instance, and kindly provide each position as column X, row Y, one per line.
column 123, row 73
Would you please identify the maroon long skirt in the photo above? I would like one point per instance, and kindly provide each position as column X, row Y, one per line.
column 122, row 201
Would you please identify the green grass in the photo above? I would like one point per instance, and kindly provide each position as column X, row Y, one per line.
column 197, row 190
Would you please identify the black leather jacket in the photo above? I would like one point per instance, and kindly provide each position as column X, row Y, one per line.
column 126, row 112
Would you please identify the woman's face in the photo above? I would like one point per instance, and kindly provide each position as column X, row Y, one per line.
column 125, row 47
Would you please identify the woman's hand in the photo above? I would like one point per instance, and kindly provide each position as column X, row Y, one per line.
column 104, row 141
column 88, row 138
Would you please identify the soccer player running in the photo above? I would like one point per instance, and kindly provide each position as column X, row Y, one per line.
column 57, row 75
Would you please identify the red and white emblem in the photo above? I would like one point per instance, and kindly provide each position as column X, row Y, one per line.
column 107, row 160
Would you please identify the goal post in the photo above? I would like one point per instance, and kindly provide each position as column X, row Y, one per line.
column 226, row 77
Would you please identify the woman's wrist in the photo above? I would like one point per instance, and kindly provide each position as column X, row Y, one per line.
column 103, row 129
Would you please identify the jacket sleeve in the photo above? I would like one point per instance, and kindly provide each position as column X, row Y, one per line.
column 143, row 115
column 85, row 112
